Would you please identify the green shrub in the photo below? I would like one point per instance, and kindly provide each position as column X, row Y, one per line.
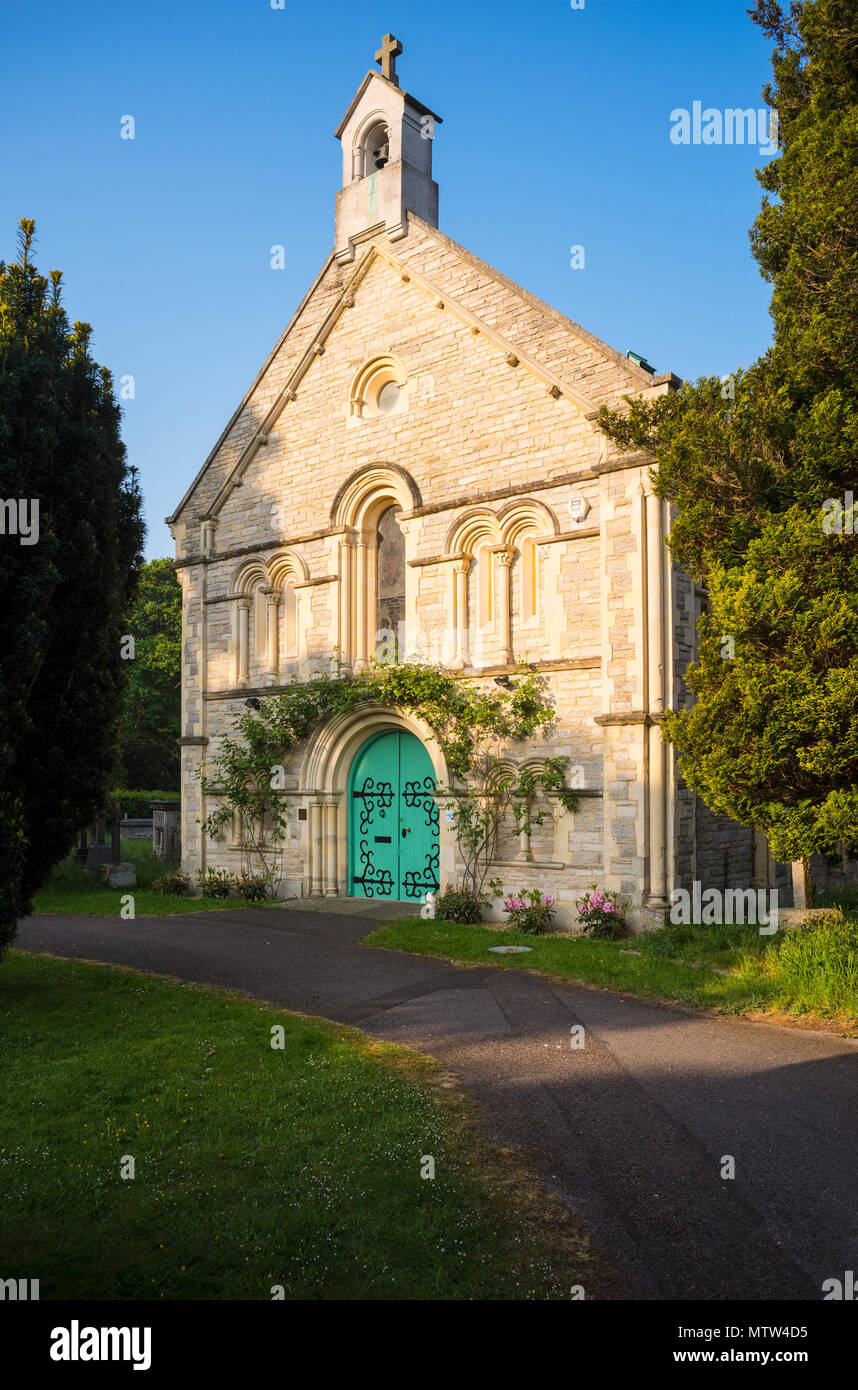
column 136, row 804
column 461, row 905
column 174, row 884
column 216, row 883
column 257, row 888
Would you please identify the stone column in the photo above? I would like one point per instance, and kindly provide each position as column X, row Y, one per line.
column 657, row 817
column 799, row 885
column 504, row 559
column 361, row 605
column 273, row 644
column 330, row 847
column 460, row 611
column 764, row 868
column 243, row 655
column 525, row 853
column 315, row 838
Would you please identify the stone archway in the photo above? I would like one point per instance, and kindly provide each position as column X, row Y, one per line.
column 325, row 776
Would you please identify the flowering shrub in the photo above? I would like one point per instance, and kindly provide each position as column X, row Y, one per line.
column 529, row 911
column 601, row 916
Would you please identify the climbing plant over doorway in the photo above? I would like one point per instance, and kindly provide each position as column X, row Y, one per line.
column 471, row 724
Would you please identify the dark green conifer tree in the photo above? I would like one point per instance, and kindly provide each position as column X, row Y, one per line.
column 64, row 587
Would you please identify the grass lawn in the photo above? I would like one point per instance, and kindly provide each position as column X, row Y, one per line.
column 70, row 891
column 809, row 976
column 254, row 1167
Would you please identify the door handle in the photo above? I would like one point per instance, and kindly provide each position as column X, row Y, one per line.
column 406, row 830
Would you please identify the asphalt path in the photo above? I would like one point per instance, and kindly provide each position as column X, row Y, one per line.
column 633, row 1130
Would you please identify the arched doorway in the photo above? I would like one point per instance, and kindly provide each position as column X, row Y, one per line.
column 393, row 819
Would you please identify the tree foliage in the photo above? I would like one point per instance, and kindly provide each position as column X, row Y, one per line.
column 148, row 747
column 749, row 464
column 61, row 598
column 773, row 736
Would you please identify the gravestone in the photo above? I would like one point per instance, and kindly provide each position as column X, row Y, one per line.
column 99, row 850
column 166, row 829
column 137, row 828
column 117, row 874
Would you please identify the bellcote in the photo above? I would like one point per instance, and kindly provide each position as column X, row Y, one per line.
column 387, row 138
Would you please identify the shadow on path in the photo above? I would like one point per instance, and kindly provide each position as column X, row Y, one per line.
column 631, row 1130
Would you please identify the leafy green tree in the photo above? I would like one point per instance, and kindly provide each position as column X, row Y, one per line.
column 751, row 461
column 773, row 737
column 64, row 586
column 149, row 754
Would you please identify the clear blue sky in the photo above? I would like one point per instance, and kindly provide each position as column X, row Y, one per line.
column 556, row 132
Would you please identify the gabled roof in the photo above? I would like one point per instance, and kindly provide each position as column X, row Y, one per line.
column 343, row 298
column 394, row 87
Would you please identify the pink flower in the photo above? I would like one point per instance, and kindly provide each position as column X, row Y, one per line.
column 609, row 907
column 597, row 899
column 582, row 907
column 548, row 900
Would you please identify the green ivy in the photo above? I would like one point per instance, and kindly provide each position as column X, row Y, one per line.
column 472, row 724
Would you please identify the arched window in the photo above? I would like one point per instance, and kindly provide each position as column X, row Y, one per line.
column 389, row 582
column 529, row 580
column 371, row 567
column 379, row 389
column 288, row 571
column 259, row 639
column 485, row 587
column 289, row 602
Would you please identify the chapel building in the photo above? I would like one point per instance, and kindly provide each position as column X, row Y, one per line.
column 417, row 468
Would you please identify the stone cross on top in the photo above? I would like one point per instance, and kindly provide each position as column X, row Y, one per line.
column 387, row 55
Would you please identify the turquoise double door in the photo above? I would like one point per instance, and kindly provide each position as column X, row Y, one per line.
column 393, row 820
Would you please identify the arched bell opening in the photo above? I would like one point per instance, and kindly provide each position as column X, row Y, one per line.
column 376, row 148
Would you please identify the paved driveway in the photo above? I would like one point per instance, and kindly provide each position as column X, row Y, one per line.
column 631, row 1130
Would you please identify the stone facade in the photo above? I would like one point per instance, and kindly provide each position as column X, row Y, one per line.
column 414, row 376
